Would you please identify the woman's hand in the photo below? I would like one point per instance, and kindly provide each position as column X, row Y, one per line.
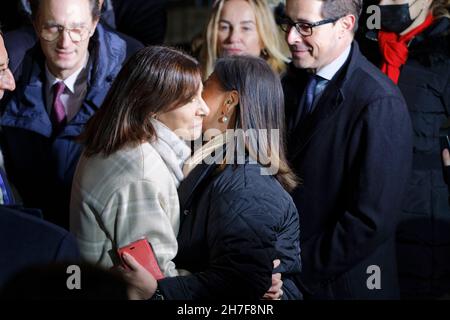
column 141, row 284
column 275, row 292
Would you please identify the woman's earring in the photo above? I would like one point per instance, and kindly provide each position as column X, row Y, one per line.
column 223, row 119
column 264, row 52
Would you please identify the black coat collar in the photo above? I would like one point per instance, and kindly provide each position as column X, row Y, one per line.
column 196, row 179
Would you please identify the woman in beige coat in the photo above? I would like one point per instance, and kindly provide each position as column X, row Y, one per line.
column 125, row 185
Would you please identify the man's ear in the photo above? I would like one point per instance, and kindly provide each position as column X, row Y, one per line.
column 348, row 23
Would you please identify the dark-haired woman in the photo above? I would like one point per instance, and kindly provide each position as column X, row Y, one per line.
column 237, row 213
column 125, row 185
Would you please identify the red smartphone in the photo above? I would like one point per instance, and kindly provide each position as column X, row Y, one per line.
column 142, row 251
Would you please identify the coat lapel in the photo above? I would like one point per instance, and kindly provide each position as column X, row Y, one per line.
column 294, row 101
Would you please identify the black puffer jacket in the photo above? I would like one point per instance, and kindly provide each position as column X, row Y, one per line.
column 235, row 223
column 423, row 237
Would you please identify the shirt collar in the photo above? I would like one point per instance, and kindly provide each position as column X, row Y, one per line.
column 69, row 82
column 331, row 69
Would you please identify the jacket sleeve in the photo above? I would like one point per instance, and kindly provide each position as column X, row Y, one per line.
column 133, row 211
column 241, row 253
column 379, row 159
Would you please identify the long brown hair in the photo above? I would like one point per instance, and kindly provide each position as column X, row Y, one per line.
column 260, row 108
column 156, row 79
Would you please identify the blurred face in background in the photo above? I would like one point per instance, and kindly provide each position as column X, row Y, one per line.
column 238, row 34
column 187, row 121
column 65, row 28
column 6, row 77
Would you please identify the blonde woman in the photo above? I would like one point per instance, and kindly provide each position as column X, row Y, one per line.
column 242, row 27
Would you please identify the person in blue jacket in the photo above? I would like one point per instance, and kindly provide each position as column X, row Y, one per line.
column 61, row 82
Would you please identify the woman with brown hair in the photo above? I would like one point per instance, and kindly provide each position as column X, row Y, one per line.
column 125, row 185
column 237, row 213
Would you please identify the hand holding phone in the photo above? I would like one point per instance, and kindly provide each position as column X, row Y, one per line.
column 143, row 252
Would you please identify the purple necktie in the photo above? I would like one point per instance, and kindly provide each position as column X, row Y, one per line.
column 58, row 114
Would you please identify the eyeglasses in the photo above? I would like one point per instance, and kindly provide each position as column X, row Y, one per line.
column 304, row 28
column 52, row 32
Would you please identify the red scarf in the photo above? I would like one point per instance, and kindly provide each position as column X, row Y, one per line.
column 394, row 48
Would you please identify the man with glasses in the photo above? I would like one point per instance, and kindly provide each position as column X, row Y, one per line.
column 350, row 141
column 61, row 82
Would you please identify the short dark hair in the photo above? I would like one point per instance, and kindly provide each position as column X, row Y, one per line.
column 156, row 79
column 261, row 107
column 339, row 8
column 36, row 4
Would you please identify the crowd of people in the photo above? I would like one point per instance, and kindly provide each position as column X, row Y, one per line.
column 296, row 152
